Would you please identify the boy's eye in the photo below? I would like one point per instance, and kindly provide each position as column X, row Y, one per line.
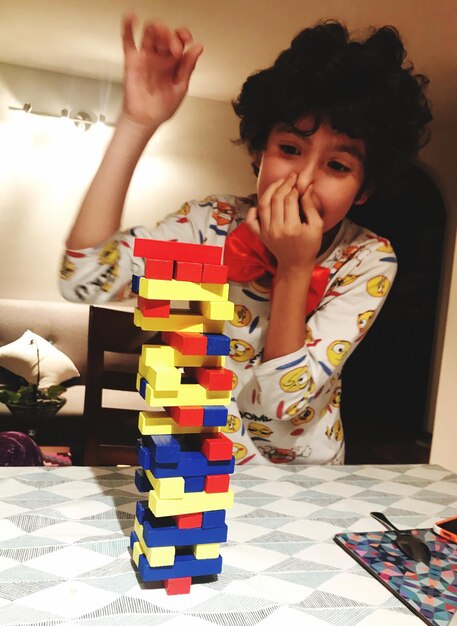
column 289, row 149
column 338, row 167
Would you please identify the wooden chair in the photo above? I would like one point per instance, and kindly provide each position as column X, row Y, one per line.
column 110, row 433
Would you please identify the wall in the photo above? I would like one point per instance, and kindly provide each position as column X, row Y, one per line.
column 46, row 165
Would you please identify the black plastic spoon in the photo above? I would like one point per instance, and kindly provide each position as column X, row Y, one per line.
column 405, row 541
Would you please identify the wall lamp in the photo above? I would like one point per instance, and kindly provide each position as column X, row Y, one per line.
column 82, row 120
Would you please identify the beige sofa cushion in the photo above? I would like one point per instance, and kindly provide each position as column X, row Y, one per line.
column 21, row 358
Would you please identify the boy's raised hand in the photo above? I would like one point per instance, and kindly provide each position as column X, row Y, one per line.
column 157, row 72
column 277, row 221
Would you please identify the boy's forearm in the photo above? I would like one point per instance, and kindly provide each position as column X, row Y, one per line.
column 101, row 210
column 286, row 330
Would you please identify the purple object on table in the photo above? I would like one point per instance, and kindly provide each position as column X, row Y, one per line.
column 18, row 449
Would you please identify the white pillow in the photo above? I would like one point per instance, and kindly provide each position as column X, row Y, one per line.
column 20, row 357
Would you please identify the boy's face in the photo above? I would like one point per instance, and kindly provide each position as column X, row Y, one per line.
column 332, row 162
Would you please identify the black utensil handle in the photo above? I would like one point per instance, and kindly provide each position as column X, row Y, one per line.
column 380, row 517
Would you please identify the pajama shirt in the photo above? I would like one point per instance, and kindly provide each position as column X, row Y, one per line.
column 286, row 410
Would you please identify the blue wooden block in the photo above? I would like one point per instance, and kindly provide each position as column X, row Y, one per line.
column 141, row 481
column 163, row 531
column 217, row 344
column 157, row 536
column 142, row 389
column 191, row 463
column 194, row 483
column 144, row 456
column 162, row 448
column 136, row 283
column 213, row 519
column 184, row 565
column 133, row 539
column 141, row 508
column 215, row 415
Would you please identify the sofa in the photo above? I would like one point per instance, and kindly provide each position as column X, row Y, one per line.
column 65, row 325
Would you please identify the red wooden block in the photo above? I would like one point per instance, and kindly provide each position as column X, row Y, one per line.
column 186, row 343
column 177, row 251
column 186, row 415
column 216, row 274
column 189, row 520
column 185, row 270
column 217, row 447
column 158, row 268
column 154, row 308
column 176, row 586
column 214, row 378
column 217, row 483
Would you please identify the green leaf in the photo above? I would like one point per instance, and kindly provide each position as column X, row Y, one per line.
column 7, row 396
column 54, row 391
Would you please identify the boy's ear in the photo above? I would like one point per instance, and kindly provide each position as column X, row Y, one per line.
column 364, row 194
column 256, row 161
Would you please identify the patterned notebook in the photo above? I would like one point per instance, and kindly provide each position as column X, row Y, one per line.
column 429, row 591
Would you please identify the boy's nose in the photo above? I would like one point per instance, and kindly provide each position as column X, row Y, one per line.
column 305, row 176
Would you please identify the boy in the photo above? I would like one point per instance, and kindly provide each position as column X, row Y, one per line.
column 329, row 122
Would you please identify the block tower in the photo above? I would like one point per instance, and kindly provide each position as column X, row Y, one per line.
column 185, row 459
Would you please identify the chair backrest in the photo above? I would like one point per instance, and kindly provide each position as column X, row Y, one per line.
column 114, row 345
column 386, row 382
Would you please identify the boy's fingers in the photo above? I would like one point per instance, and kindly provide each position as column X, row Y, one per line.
column 264, row 206
column 292, row 208
column 184, row 35
column 278, row 200
column 188, row 63
column 309, row 209
column 175, row 46
column 149, row 36
column 158, row 39
column 306, row 202
column 252, row 222
column 128, row 40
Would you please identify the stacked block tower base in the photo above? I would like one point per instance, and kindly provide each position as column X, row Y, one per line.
column 185, row 460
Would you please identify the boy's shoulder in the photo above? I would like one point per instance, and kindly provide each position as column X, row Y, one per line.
column 221, row 212
column 216, row 215
column 358, row 246
column 238, row 203
column 360, row 236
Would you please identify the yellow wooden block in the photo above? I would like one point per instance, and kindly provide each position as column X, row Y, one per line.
column 156, row 556
column 167, row 488
column 158, row 423
column 156, row 289
column 206, row 550
column 136, row 553
column 190, row 503
column 189, row 394
column 217, row 310
column 179, row 321
column 160, row 556
column 161, row 377
column 166, row 355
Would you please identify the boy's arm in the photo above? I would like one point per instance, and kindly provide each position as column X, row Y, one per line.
column 156, row 78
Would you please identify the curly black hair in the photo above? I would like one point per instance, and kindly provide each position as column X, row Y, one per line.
column 361, row 88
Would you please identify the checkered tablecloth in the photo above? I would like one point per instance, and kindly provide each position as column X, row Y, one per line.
column 64, row 556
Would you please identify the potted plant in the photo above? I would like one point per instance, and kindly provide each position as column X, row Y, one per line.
column 26, row 401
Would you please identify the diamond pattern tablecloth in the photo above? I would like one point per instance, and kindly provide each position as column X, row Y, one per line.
column 64, row 558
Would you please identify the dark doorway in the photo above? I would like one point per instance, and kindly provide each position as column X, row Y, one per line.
column 386, row 381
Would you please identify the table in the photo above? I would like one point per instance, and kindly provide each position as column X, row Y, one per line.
column 64, row 558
